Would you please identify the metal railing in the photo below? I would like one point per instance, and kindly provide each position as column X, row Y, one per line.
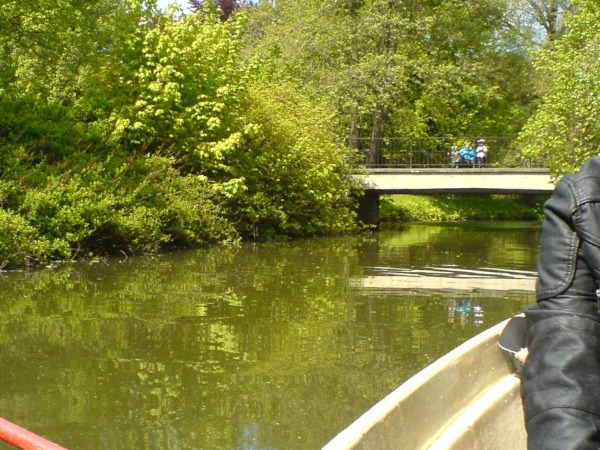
column 434, row 152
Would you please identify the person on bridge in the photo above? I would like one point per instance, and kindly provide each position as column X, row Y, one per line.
column 480, row 153
column 454, row 157
column 560, row 386
column 467, row 155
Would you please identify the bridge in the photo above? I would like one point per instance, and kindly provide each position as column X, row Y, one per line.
column 378, row 181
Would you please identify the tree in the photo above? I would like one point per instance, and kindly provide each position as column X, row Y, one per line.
column 403, row 68
column 69, row 53
column 540, row 21
column 187, row 89
column 565, row 131
column 64, row 66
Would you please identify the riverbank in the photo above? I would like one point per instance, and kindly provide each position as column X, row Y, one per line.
column 434, row 208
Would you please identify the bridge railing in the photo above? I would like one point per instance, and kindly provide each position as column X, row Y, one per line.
column 402, row 152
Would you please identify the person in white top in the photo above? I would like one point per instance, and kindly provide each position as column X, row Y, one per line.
column 480, row 153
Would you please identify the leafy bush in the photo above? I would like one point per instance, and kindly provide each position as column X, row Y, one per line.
column 40, row 131
column 193, row 215
column 295, row 176
column 18, row 243
column 187, row 88
column 135, row 206
column 151, row 135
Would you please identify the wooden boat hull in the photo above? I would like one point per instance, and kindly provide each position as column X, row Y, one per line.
column 468, row 399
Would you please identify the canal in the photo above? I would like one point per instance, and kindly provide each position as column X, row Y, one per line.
column 262, row 346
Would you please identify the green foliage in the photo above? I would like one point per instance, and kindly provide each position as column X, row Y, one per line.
column 414, row 208
column 140, row 132
column 37, row 131
column 295, row 176
column 566, row 129
column 405, row 69
column 187, row 89
column 126, row 129
column 65, row 212
column 159, row 206
column 18, row 245
column 73, row 54
column 141, row 206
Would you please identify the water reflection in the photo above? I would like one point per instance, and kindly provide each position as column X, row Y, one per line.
column 262, row 346
column 465, row 311
column 444, row 278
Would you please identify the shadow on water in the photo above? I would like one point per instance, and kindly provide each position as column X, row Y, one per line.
column 261, row 346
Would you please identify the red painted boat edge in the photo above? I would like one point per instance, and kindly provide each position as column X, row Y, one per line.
column 24, row 439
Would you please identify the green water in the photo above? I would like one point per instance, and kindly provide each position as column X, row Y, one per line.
column 263, row 346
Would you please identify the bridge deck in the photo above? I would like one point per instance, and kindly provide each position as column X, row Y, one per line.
column 432, row 181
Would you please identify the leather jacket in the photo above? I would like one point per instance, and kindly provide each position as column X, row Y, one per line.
column 560, row 385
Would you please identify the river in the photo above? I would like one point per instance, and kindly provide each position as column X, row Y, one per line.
column 262, row 346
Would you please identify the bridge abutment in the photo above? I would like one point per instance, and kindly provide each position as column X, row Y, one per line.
column 368, row 208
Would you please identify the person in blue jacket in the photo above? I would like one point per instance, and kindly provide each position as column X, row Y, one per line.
column 560, row 386
column 467, row 155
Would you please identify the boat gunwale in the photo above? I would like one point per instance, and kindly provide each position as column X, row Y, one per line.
column 352, row 436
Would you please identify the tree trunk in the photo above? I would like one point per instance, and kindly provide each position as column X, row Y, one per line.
column 380, row 119
column 354, row 142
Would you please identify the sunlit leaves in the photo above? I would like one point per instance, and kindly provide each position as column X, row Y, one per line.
column 188, row 87
column 296, row 176
column 67, row 53
column 566, row 130
column 409, row 68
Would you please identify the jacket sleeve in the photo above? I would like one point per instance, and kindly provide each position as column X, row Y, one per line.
column 587, row 222
column 556, row 262
column 560, row 385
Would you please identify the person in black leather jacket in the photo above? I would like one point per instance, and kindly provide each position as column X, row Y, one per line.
column 560, row 385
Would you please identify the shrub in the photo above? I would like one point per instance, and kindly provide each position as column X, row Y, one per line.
column 19, row 245
column 296, row 179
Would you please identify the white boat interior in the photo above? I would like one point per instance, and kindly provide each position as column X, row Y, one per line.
column 468, row 399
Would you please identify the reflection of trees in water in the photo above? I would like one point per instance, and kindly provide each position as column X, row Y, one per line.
column 466, row 244
column 174, row 347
